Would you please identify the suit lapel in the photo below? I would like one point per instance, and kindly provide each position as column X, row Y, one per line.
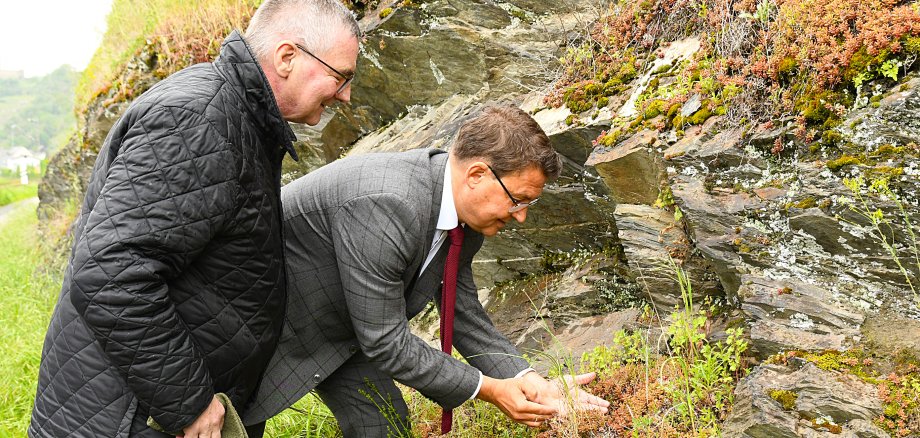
column 438, row 160
column 420, row 289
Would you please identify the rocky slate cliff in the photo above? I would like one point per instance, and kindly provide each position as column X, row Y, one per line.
column 768, row 237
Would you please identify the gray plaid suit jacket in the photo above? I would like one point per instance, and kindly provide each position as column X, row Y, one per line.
column 356, row 234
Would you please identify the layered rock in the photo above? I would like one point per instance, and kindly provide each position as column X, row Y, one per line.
column 818, row 403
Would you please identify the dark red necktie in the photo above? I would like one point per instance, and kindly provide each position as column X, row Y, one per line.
column 448, row 299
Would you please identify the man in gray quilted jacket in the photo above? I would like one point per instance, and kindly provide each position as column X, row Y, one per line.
column 175, row 288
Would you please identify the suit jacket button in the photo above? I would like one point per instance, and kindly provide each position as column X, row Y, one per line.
column 317, row 379
column 353, row 349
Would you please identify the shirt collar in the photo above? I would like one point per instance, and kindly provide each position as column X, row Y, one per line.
column 447, row 217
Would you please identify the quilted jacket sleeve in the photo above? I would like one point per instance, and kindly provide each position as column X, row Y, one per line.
column 166, row 193
column 374, row 237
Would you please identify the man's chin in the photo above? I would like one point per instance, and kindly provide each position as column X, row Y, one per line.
column 491, row 231
column 313, row 120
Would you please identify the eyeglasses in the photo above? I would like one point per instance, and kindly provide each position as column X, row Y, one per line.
column 518, row 205
column 347, row 77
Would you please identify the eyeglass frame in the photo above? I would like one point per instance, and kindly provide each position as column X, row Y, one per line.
column 347, row 78
column 518, row 205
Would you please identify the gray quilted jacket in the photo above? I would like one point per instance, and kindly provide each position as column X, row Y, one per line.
column 175, row 287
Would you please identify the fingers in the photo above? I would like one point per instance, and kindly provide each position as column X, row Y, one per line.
column 533, row 414
column 584, row 379
column 208, row 424
column 586, row 397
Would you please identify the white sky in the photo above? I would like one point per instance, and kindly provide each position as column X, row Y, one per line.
column 38, row 36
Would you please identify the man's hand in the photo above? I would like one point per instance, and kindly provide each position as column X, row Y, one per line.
column 515, row 398
column 208, row 424
column 565, row 393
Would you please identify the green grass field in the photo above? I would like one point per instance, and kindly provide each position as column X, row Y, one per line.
column 27, row 300
column 11, row 191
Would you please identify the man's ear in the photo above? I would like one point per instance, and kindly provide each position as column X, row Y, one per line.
column 476, row 172
column 283, row 58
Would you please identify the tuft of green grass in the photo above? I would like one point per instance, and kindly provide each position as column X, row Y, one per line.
column 27, row 298
column 309, row 417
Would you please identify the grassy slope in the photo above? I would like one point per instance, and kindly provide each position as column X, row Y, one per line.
column 27, row 300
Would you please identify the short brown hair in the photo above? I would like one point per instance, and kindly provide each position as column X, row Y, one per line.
column 509, row 140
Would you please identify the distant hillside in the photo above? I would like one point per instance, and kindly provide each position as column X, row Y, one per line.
column 37, row 113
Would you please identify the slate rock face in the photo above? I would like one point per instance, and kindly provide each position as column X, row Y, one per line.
column 820, row 398
column 790, row 315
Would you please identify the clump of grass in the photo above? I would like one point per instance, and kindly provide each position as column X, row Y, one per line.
column 308, row 417
column 27, row 298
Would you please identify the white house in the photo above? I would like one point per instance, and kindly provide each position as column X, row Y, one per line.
column 20, row 159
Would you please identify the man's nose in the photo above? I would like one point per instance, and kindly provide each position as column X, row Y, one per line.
column 520, row 215
column 345, row 95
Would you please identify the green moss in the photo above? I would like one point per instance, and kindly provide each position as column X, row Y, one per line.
column 785, row 398
column 912, row 45
column 858, row 64
column 700, row 116
column 385, row 13
column 805, row 203
column 665, row 197
column 593, row 89
column 787, row 66
column 855, row 362
column 610, row 138
column 662, row 69
column 637, row 122
column 570, row 119
column 815, row 112
column 888, row 151
column 819, row 423
column 831, row 138
column 844, row 161
column 832, row 122
column 602, row 102
column 518, row 13
column 887, row 172
column 673, row 110
column 653, row 109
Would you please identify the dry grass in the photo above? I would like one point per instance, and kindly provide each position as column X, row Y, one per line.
column 181, row 32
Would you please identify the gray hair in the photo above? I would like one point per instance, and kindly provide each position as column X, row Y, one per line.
column 510, row 140
column 316, row 22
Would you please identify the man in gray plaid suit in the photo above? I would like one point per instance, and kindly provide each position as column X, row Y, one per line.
column 364, row 254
